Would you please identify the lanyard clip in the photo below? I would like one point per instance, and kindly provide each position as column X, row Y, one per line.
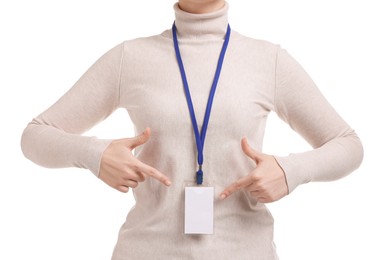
column 199, row 175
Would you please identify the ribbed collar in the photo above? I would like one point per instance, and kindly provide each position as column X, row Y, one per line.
column 201, row 26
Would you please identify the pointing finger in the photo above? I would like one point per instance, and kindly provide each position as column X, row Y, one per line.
column 241, row 183
column 152, row 172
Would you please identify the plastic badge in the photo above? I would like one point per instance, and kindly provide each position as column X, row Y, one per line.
column 199, row 206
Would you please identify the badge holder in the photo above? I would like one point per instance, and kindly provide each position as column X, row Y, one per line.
column 199, row 208
column 199, row 198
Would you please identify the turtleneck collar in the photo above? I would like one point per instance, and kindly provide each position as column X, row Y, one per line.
column 201, row 26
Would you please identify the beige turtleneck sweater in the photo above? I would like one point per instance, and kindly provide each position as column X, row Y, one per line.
column 142, row 76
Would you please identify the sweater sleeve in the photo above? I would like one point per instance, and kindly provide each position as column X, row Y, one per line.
column 54, row 138
column 337, row 148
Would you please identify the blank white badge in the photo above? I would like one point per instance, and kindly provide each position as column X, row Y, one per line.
column 199, row 202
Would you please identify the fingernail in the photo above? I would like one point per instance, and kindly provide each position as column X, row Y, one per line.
column 168, row 183
column 223, row 196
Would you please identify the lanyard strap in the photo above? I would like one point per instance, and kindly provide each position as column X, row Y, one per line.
column 200, row 137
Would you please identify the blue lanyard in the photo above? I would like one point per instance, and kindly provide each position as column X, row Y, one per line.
column 200, row 137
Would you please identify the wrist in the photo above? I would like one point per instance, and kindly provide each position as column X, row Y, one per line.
column 93, row 155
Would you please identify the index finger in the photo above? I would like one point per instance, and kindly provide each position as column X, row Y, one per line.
column 154, row 173
column 237, row 185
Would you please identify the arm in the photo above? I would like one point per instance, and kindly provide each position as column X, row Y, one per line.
column 53, row 139
column 337, row 149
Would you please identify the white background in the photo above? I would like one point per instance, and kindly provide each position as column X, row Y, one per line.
column 46, row 46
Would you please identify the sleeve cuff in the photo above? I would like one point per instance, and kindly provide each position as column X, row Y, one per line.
column 93, row 156
column 293, row 170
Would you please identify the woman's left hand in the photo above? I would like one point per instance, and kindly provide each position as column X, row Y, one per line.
column 267, row 182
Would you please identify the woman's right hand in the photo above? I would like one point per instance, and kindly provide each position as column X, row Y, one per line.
column 121, row 170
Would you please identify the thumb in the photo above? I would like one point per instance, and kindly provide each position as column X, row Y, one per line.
column 247, row 149
column 140, row 139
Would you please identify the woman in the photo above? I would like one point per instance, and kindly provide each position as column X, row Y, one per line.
column 157, row 79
